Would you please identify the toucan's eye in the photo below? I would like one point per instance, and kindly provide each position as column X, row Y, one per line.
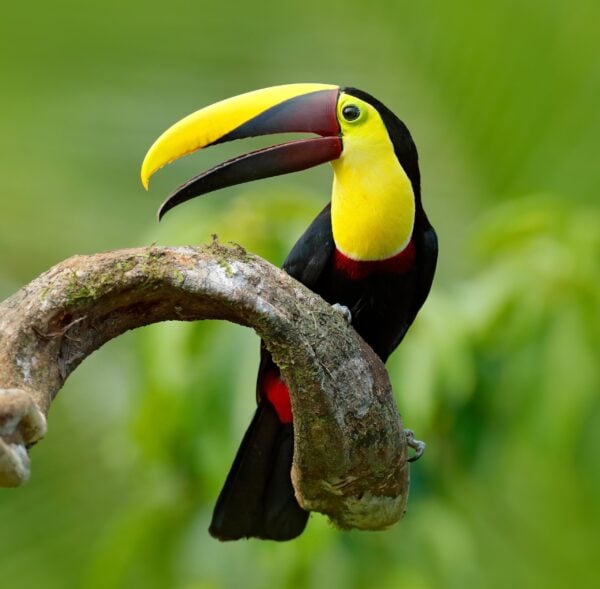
column 351, row 112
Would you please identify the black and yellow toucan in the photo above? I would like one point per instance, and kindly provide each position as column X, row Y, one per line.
column 371, row 250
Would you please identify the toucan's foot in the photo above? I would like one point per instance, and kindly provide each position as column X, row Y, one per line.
column 416, row 445
column 344, row 311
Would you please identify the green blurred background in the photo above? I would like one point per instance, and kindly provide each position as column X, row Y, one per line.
column 500, row 373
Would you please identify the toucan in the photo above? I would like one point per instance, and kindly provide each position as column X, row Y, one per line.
column 371, row 252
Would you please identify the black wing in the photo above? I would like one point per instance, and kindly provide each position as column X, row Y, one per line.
column 425, row 241
column 427, row 249
column 310, row 255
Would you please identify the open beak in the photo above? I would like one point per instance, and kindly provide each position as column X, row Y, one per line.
column 302, row 108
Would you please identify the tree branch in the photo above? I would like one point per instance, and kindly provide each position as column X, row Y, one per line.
column 350, row 448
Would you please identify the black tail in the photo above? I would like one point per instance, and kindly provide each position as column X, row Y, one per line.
column 257, row 500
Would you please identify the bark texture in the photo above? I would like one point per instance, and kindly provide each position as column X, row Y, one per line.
column 350, row 457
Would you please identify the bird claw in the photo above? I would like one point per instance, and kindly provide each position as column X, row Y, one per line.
column 416, row 445
column 344, row 311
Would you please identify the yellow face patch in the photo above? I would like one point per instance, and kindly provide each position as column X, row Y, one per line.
column 373, row 203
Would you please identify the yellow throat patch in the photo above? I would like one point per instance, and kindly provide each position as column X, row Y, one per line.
column 373, row 203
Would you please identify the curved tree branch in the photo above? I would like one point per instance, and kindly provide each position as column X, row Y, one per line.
column 350, row 448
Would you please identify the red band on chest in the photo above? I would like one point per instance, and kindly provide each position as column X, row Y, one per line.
column 357, row 270
column 277, row 393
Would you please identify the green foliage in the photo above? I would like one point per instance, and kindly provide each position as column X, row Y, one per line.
column 499, row 374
